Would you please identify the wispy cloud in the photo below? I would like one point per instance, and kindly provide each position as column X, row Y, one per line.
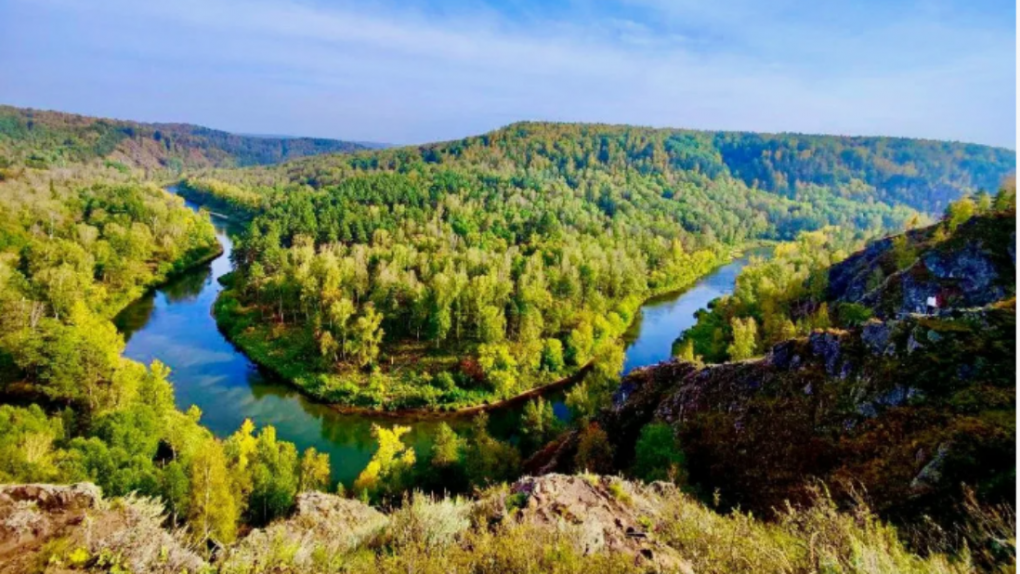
column 413, row 72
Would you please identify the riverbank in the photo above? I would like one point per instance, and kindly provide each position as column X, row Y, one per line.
column 180, row 267
column 423, row 414
column 237, row 211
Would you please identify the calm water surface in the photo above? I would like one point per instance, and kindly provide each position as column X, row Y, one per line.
column 175, row 325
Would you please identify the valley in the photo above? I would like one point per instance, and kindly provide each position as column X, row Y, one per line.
column 266, row 354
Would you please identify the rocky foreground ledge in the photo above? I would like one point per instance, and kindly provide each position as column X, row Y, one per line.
column 51, row 528
column 73, row 528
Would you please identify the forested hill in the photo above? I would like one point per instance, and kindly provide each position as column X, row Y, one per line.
column 536, row 238
column 43, row 139
column 923, row 174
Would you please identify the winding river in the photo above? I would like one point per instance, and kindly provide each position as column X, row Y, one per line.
column 175, row 325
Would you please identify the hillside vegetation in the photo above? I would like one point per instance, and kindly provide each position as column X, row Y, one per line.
column 457, row 273
column 924, row 174
column 44, row 139
column 806, row 284
column 568, row 524
column 913, row 410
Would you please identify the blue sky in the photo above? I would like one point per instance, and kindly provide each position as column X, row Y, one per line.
column 414, row 71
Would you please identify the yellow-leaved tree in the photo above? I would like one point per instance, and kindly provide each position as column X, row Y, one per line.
column 212, row 511
column 314, row 471
column 240, row 451
column 391, row 465
column 745, row 339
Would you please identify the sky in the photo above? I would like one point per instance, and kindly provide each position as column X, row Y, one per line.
column 413, row 71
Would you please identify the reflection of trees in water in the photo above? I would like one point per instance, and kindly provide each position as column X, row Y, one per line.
column 354, row 431
column 339, row 429
column 347, row 430
column 262, row 386
column 348, row 437
column 136, row 315
column 187, row 286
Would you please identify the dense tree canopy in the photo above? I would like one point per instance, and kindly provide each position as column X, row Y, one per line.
column 459, row 272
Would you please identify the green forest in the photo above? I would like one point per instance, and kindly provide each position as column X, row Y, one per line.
column 466, row 272
column 79, row 240
column 435, row 277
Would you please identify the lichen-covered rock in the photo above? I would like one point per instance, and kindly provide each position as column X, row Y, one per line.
column 57, row 528
column 826, row 346
column 604, row 514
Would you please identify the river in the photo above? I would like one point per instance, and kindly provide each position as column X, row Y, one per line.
column 175, row 325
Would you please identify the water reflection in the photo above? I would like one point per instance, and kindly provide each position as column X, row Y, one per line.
column 650, row 338
column 187, row 287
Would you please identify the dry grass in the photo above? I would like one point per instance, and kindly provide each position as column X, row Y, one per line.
column 431, row 535
column 818, row 539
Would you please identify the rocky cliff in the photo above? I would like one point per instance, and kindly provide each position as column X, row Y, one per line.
column 72, row 528
column 555, row 523
column 906, row 408
column 973, row 266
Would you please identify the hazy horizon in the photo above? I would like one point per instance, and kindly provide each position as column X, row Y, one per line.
column 384, row 144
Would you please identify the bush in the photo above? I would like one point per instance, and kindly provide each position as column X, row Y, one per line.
column 594, row 451
column 444, row 381
column 853, row 314
column 657, row 455
column 428, row 522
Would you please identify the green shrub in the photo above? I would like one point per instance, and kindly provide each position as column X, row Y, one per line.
column 428, row 522
column 657, row 455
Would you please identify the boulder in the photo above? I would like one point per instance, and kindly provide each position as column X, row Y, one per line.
column 604, row 514
column 321, row 525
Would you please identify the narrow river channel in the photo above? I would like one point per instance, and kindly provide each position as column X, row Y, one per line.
column 175, row 325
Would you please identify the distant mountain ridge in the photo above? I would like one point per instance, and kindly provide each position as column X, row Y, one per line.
column 41, row 139
column 922, row 174
column 366, row 144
